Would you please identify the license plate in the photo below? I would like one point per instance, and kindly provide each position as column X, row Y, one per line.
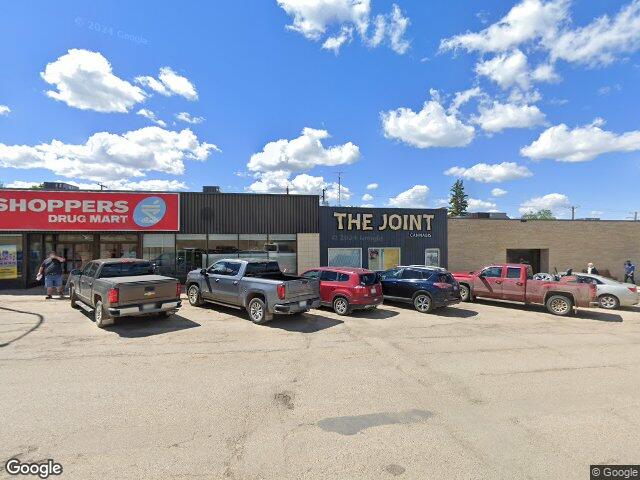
column 373, row 290
column 148, row 306
column 303, row 304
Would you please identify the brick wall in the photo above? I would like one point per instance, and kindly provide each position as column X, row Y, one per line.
column 477, row 242
column 308, row 251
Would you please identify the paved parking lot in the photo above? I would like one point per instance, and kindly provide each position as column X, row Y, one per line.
column 476, row 391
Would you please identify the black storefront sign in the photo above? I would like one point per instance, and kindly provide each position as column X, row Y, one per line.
column 380, row 238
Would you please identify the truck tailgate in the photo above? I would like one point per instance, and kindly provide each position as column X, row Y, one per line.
column 301, row 289
column 145, row 289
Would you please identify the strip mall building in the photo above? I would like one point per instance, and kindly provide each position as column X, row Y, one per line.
column 183, row 231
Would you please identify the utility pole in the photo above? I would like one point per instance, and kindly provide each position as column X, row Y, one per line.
column 324, row 190
column 102, row 187
column 573, row 212
column 339, row 187
column 287, row 189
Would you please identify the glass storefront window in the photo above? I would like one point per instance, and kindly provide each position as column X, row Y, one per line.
column 191, row 252
column 253, row 246
column 383, row 258
column 283, row 249
column 222, row 246
column 35, row 256
column 432, row 257
column 10, row 257
column 159, row 249
column 344, row 257
column 74, row 237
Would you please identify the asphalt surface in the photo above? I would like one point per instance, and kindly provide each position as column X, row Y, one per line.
column 480, row 390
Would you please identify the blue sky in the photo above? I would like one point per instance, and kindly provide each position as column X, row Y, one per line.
column 291, row 92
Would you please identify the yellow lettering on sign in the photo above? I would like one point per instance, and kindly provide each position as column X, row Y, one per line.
column 340, row 217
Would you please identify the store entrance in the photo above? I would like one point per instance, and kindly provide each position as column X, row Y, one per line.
column 75, row 254
column 529, row 256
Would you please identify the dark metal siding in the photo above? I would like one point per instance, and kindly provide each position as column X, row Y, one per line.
column 413, row 248
column 248, row 213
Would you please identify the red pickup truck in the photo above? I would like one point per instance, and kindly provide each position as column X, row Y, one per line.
column 514, row 282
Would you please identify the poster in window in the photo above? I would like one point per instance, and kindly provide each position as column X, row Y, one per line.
column 8, row 262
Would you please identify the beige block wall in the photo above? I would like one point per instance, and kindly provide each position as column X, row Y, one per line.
column 477, row 242
column 308, row 251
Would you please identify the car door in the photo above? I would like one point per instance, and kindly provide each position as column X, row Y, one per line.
column 328, row 279
column 389, row 280
column 513, row 286
column 488, row 283
column 85, row 282
column 210, row 287
column 225, row 283
column 411, row 279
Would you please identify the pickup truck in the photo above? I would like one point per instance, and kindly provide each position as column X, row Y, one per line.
column 255, row 285
column 514, row 282
column 122, row 287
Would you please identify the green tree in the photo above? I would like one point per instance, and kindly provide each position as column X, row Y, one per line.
column 544, row 214
column 458, row 201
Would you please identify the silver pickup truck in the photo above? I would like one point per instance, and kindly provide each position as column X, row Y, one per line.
column 256, row 285
column 122, row 287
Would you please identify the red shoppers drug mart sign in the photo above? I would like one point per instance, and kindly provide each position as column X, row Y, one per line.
column 82, row 211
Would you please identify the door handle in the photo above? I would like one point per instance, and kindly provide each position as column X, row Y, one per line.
column 235, row 282
column 519, row 284
column 498, row 282
column 217, row 280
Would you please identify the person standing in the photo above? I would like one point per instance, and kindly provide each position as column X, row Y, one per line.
column 591, row 269
column 51, row 269
column 629, row 272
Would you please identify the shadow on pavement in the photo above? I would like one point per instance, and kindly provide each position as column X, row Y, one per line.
column 587, row 314
column 377, row 314
column 137, row 327
column 22, row 335
column 455, row 312
column 304, row 323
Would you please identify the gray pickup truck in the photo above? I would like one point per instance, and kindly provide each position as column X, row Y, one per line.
column 122, row 287
column 256, row 285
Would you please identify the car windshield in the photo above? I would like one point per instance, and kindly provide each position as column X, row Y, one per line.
column 126, row 269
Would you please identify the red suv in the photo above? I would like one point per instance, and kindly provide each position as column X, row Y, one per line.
column 346, row 289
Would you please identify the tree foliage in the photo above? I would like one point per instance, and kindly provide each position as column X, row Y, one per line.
column 544, row 214
column 458, row 203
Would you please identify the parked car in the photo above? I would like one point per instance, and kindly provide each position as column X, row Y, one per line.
column 611, row 294
column 514, row 282
column 347, row 289
column 119, row 287
column 256, row 285
column 427, row 288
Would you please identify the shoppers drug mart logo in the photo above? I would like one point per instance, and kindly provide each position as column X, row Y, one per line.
column 149, row 211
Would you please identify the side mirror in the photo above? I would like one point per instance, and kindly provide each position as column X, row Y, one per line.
column 203, row 271
column 76, row 271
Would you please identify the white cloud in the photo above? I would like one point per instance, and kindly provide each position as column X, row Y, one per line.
column 415, row 197
column 4, row 110
column 334, row 21
column 367, row 205
column 430, row 127
column 581, row 143
column 367, row 197
column 490, row 173
column 372, row 186
column 526, row 21
column 188, row 118
column 110, row 157
column 498, row 192
column 477, row 205
column 507, row 70
column 169, row 83
column 302, row 153
column 500, row 116
column 146, row 113
column 463, row 97
column 22, row 184
column 84, row 80
column 303, row 184
column 545, row 72
column 602, row 40
column 552, row 201
column 144, row 185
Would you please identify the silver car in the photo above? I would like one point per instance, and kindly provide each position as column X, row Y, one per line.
column 611, row 293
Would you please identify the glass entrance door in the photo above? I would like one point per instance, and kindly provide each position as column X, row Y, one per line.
column 75, row 254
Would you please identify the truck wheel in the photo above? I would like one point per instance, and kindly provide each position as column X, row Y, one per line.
column 194, row 295
column 101, row 316
column 257, row 310
column 559, row 305
column 72, row 297
column 608, row 301
column 465, row 293
column 341, row 306
column 422, row 302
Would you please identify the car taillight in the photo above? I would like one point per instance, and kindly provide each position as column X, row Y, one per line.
column 633, row 289
column 178, row 290
column 441, row 285
column 281, row 291
column 114, row 295
column 360, row 288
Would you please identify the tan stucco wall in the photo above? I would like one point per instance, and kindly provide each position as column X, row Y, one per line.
column 308, row 251
column 477, row 242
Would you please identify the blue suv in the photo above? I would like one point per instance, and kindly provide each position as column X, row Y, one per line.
column 426, row 288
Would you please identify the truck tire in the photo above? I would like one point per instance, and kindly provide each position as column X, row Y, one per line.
column 608, row 301
column 257, row 311
column 559, row 305
column 72, row 297
column 341, row 306
column 101, row 316
column 422, row 302
column 465, row 293
column 194, row 295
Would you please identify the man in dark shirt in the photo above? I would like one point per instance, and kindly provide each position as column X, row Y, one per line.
column 51, row 269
